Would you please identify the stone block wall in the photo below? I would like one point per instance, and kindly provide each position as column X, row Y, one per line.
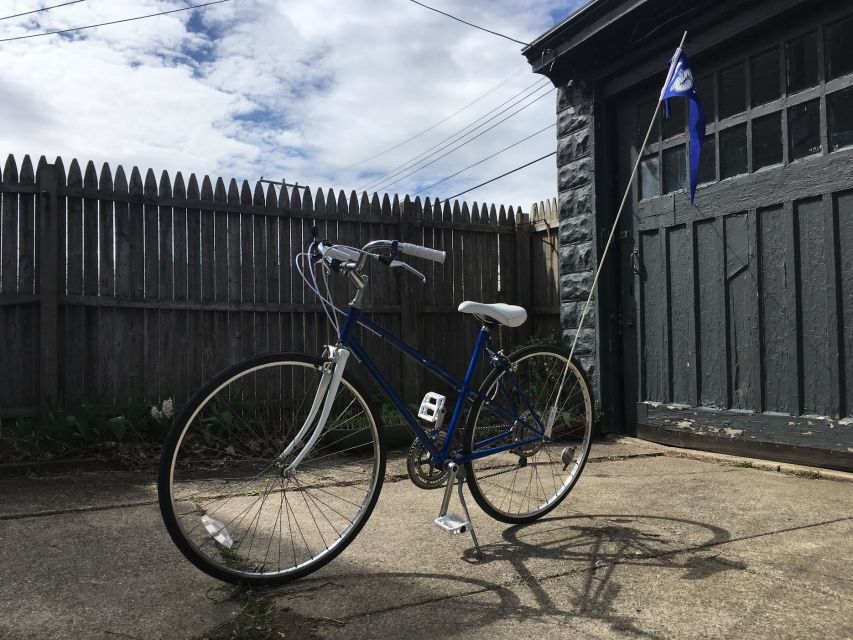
column 575, row 166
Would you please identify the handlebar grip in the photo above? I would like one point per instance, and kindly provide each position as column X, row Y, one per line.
column 418, row 251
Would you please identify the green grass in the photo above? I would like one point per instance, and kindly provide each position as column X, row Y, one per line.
column 744, row 464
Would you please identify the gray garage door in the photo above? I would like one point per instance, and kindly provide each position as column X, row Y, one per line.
column 737, row 312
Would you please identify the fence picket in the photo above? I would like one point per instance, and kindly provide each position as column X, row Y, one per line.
column 105, row 334
column 260, row 258
column 246, row 319
column 222, row 338
column 8, row 275
column 151, row 316
column 183, row 353
column 211, row 246
column 73, row 315
column 273, row 270
column 26, row 313
column 168, row 349
column 195, row 335
column 121, row 345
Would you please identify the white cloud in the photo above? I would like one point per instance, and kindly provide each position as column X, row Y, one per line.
column 281, row 88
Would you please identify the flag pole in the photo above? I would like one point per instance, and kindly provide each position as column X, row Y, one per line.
column 618, row 214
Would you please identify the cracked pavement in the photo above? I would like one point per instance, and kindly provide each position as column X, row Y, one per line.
column 647, row 545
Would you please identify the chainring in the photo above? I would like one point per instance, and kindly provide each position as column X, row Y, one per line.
column 421, row 471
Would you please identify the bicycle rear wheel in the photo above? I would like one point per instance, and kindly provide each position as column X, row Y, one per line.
column 524, row 483
column 227, row 504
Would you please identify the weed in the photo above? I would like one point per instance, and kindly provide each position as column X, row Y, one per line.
column 254, row 620
column 744, row 464
column 91, row 428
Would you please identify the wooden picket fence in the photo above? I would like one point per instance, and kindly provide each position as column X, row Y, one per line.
column 117, row 288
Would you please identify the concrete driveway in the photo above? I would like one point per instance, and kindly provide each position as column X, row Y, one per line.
column 647, row 545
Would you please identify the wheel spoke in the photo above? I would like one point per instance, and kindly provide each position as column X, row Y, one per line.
column 529, row 481
column 243, row 516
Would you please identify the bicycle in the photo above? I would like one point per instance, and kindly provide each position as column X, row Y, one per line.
column 273, row 467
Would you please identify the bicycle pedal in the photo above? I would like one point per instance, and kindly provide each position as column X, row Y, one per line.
column 432, row 408
column 452, row 523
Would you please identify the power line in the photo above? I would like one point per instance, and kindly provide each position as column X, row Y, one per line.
column 470, row 24
column 104, row 24
column 485, row 131
column 459, row 146
column 471, row 166
column 457, row 135
column 431, row 127
column 503, row 175
column 55, row 6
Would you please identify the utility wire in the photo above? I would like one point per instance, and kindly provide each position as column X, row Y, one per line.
column 503, row 175
column 470, row 166
column 457, row 147
column 104, row 24
column 406, row 164
column 55, row 6
column 470, row 24
column 457, row 135
column 440, row 122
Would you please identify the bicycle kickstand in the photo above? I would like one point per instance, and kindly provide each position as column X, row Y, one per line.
column 452, row 523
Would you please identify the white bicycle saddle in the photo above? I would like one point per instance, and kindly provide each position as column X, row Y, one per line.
column 506, row 314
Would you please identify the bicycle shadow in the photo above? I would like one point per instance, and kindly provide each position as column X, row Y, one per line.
column 582, row 588
column 619, row 539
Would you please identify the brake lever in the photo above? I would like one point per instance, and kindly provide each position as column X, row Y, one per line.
column 407, row 267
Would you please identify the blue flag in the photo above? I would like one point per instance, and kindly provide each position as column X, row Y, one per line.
column 680, row 85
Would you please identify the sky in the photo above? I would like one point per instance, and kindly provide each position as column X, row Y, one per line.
column 312, row 91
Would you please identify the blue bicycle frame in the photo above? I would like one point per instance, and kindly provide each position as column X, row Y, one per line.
column 480, row 449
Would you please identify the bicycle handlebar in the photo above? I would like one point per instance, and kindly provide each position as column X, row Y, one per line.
column 343, row 258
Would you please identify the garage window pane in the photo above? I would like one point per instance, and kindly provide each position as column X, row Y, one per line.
column 839, row 52
column 733, row 151
column 674, row 169
column 766, row 141
column 705, row 91
column 677, row 121
column 732, row 91
column 649, row 177
column 802, row 62
column 765, row 77
column 708, row 160
column 804, row 129
column 645, row 111
column 840, row 106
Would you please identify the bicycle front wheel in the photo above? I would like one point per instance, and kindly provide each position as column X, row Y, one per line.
column 227, row 499
column 524, row 483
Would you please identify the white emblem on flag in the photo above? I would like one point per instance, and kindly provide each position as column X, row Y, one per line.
column 683, row 80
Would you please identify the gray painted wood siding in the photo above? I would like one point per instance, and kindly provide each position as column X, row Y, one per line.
column 774, row 319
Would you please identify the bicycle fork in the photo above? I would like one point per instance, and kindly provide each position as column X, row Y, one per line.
column 449, row 522
column 333, row 371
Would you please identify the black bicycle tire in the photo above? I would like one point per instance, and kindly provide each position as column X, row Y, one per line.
column 470, row 426
column 180, row 425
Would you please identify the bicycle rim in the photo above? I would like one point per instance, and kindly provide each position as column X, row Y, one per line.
column 525, row 483
column 226, row 499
